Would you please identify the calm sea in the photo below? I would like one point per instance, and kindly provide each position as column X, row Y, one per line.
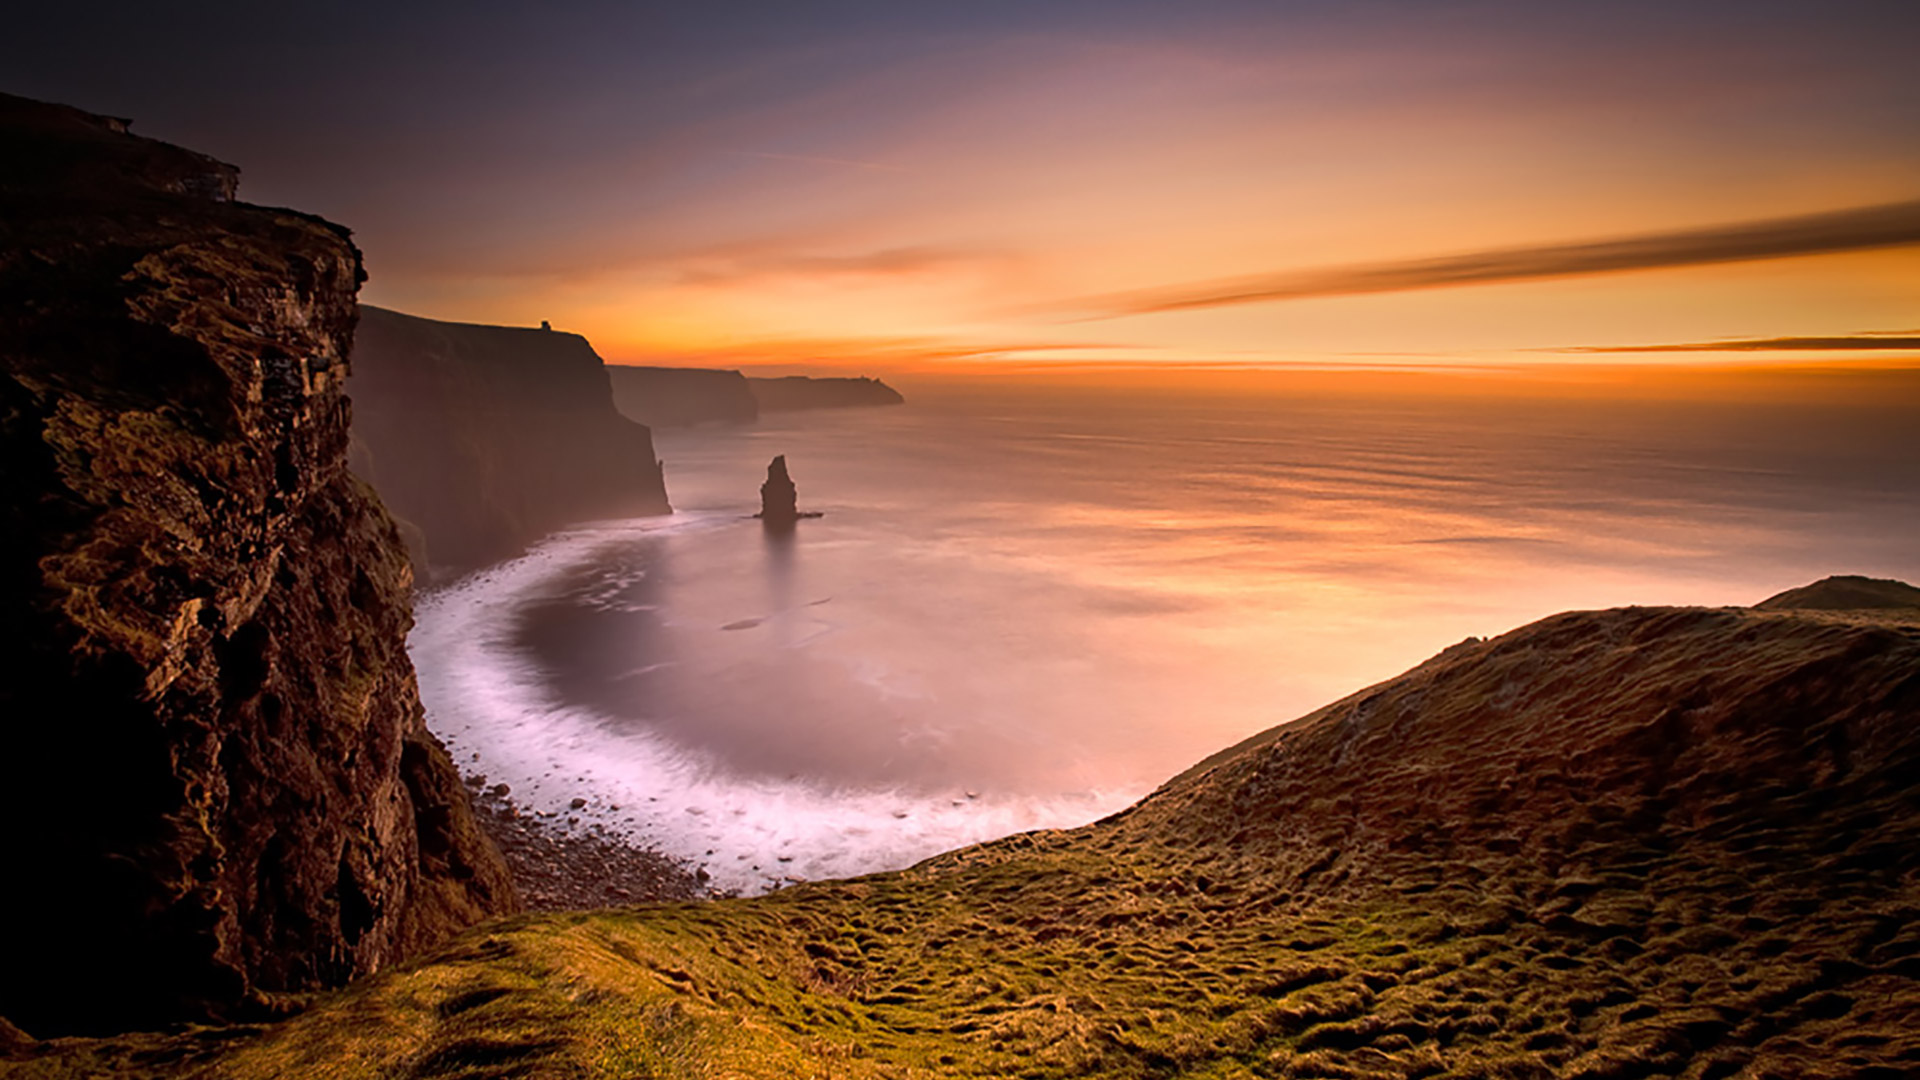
column 1025, row 606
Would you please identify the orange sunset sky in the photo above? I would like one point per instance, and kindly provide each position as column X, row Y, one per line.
column 936, row 187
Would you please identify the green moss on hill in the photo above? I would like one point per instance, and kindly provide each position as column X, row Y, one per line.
column 1651, row 842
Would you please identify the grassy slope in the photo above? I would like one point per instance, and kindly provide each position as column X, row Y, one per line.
column 1617, row 844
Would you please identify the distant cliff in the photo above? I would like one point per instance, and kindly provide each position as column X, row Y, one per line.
column 486, row 438
column 807, row 392
column 220, row 781
column 683, row 397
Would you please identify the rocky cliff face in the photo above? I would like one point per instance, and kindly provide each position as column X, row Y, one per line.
column 222, row 786
column 486, row 438
column 682, row 397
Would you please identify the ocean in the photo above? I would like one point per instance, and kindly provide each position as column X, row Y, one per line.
column 1028, row 603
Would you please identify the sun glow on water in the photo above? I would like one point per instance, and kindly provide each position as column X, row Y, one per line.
column 1027, row 606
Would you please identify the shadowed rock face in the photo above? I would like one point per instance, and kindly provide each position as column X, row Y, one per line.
column 487, row 438
column 222, row 782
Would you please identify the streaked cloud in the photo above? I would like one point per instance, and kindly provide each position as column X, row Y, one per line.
column 869, row 353
column 1882, row 340
column 675, row 180
column 885, row 262
column 1855, row 229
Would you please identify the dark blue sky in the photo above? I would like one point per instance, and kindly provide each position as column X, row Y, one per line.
column 336, row 90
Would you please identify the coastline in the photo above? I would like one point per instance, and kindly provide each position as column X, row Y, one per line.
column 557, row 861
column 501, row 718
column 573, row 866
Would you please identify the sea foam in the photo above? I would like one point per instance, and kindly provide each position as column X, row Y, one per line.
column 491, row 706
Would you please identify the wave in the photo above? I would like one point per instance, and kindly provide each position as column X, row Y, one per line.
column 492, row 707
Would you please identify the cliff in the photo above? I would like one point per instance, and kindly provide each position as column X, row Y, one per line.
column 222, row 787
column 486, row 438
column 682, row 397
column 1633, row 843
column 808, row 392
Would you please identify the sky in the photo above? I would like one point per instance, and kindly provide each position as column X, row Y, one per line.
column 947, row 186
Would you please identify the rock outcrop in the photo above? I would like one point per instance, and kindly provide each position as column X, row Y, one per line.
column 809, row 392
column 779, row 502
column 486, row 438
column 682, row 397
column 222, row 787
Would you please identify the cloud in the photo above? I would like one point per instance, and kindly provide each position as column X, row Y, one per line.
column 1855, row 229
column 1894, row 340
column 883, row 352
column 889, row 262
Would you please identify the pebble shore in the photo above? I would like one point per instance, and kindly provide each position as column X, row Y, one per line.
column 558, row 865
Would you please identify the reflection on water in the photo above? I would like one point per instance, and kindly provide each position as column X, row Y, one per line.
column 1025, row 607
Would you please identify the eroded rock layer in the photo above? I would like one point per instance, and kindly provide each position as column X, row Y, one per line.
column 223, row 787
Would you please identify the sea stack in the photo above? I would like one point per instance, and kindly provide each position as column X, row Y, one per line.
column 779, row 502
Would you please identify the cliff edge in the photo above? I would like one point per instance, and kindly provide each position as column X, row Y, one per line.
column 487, row 438
column 223, row 788
column 1637, row 843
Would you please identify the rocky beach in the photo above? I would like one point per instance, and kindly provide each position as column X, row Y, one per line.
column 560, row 864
